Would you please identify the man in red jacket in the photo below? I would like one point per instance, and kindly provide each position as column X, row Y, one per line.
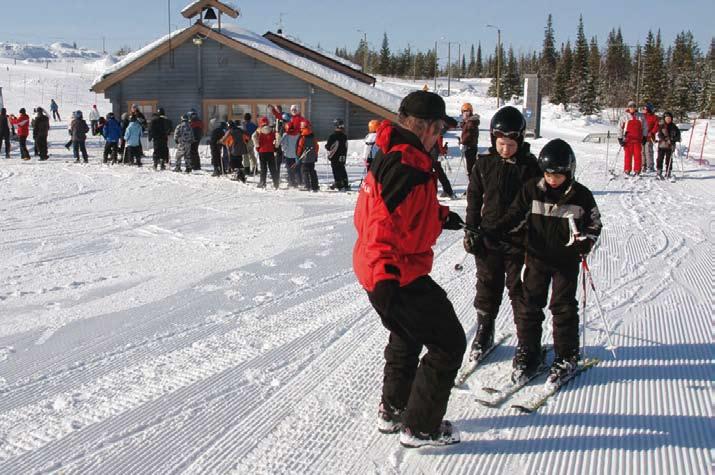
column 632, row 131
column 398, row 220
column 23, row 130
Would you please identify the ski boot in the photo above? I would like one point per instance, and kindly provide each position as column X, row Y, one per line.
column 483, row 340
column 445, row 435
column 389, row 419
column 526, row 363
column 563, row 368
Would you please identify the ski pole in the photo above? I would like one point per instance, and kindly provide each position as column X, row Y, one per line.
column 459, row 266
column 587, row 274
column 608, row 146
column 583, row 311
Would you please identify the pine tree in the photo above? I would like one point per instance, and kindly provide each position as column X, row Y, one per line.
column 463, row 70
column 362, row 54
column 582, row 85
column 561, row 94
column 472, row 66
column 706, row 99
column 653, row 71
column 684, row 89
column 384, row 65
column 616, row 71
column 594, row 66
column 511, row 81
column 479, row 67
column 547, row 62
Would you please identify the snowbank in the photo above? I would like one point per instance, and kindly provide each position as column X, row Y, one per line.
column 29, row 52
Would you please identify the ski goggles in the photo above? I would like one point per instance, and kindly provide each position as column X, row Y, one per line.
column 506, row 135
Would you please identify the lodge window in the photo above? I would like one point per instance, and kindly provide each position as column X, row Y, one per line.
column 216, row 110
column 146, row 107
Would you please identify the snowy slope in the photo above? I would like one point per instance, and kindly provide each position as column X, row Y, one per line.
column 29, row 52
column 165, row 323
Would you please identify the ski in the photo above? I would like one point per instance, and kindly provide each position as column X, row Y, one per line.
column 536, row 401
column 472, row 366
column 496, row 396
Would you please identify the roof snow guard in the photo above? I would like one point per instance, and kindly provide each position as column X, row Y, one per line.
column 251, row 44
column 195, row 8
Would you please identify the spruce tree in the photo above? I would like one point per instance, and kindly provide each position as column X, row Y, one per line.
column 581, row 86
column 706, row 99
column 652, row 86
column 511, row 81
column 560, row 94
column 547, row 62
column 384, row 64
column 471, row 67
column 479, row 67
column 684, row 90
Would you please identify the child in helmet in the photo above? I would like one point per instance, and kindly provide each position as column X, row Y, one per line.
column 668, row 136
column 469, row 139
column 370, row 147
column 307, row 151
column 184, row 137
column 494, row 182
column 555, row 209
column 337, row 146
column 264, row 138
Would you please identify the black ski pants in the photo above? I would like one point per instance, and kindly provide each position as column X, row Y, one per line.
column 268, row 163
column 161, row 153
column 194, row 154
column 563, row 279
column 470, row 156
column 310, row 177
column 667, row 154
column 56, row 115
column 110, row 149
column 421, row 315
column 494, row 270
column 79, row 146
column 442, row 177
column 340, row 175
column 41, row 145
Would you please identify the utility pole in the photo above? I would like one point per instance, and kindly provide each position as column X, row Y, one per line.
column 459, row 61
column 436, row 67
column 449, row 67
column 365, row 54
column 498, row 62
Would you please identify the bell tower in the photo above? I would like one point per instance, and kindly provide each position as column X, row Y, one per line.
column 203, row 10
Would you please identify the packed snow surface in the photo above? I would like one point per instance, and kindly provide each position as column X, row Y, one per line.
column 157, row 322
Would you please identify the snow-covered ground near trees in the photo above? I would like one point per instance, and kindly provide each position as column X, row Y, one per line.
column 171, row 323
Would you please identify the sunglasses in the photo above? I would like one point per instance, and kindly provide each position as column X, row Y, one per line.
column 506, row 135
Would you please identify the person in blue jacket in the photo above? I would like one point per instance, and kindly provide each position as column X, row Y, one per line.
column 112, row 132
column 133, row 136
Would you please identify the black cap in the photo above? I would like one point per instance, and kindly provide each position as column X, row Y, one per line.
column 426, row 105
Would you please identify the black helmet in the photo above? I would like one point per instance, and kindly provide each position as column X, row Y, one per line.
column 339, row 123
column 557, row 157
column 507, row 122
column 110, row 115
column 160, row 110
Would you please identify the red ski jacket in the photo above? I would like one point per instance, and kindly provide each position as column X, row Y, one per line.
column 266, row 140
column 632, row 127
column 397, row 216
column 651, row 121
column 22, row 123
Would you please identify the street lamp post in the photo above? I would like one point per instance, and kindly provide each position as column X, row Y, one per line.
column 498, row 62
column 364, row 56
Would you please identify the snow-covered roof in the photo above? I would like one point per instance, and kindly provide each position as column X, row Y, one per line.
column 328, row 54
column 134, row 55
column 257, row 42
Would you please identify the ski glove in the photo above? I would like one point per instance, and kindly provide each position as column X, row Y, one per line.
column 453, row 222
column 473, row 243
column 584, row 246
column 644, row 140
column 383, row 295
column 621, row 141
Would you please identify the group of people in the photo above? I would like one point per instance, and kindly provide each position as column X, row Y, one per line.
column 528, row 224
column 638, row 132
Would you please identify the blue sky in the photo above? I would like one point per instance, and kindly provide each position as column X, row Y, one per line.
column 335, row 23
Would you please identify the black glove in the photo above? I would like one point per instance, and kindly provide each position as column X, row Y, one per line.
column 383, row 295
column 621, row 141
column 473, row 243
column 584, row 246
column 453, row 222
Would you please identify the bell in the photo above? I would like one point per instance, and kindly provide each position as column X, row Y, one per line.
column 209, row 14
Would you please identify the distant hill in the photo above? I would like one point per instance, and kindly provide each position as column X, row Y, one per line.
column 28, row 52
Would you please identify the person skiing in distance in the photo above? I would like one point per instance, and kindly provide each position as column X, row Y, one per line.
column 216, row 147
column 22, row 122
column 632, row 132
column 40, row 131
column 160, row 128
column 289, row 145
column 264, row 139
column 94, row 119
column 111, row 132
column 496, row 178
column 337, row 147
column 557, row 210
column 398, row 219
column 668, row 136
column 55, row 109
column 183, row 137
column 439, row 149
column 469, row 139
column 78, row 130
column 133, row 136
column 370, row 148
column 307, row 151
column 651, row 121
column 5, row 131
column 250, row 163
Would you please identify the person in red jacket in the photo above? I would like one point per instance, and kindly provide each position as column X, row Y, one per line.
column 652, row 125
column 265, row 141
column 398, row 219
column 632, row 132
column 23, row 130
